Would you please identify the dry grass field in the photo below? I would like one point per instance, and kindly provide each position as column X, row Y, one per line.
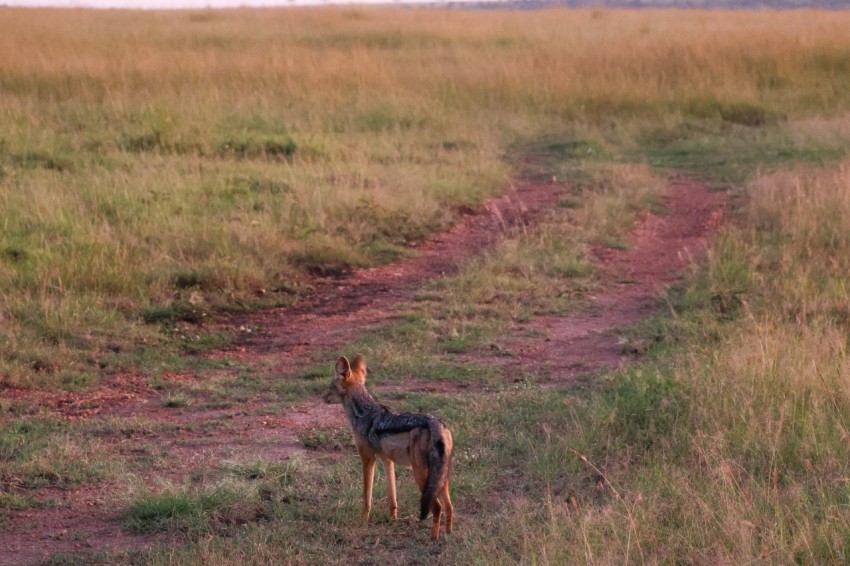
column 161, row 172
column 158, row 166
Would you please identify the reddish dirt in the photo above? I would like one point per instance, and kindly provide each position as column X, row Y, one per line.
column 77, row 521
column 662, row 247
column 340, row 309
column 558, row 349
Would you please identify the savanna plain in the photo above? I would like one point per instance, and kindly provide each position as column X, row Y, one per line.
column 164, row 173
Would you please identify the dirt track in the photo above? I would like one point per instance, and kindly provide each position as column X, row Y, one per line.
column 562, row 349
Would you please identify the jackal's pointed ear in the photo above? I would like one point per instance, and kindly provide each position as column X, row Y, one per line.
column 343, row 368
column 358, row 365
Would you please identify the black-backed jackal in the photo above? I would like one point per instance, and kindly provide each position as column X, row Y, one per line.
column 416, row 440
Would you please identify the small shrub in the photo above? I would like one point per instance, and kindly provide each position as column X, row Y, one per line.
column 175, row 400
column 747, row 114
column 325, row 259
column 142, row 143
column 172, row 313
column 264, row 148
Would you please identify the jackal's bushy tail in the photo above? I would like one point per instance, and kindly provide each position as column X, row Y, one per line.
column 438, row 466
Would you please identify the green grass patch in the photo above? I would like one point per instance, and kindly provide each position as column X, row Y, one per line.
column 39, row 453
column 177, row 511
column 254, row 470
column 731, row 154
column 246, row 495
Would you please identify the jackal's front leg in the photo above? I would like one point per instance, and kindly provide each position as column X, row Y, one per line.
column 389, row 469
column 368, row 477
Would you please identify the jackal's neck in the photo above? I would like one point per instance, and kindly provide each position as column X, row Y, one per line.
column 359, row 404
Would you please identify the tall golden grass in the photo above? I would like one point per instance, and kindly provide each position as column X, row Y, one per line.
column 243, row 57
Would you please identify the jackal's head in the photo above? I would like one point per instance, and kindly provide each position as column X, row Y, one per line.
column 347, row 375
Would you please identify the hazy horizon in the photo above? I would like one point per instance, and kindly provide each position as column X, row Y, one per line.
column 527, row 4
column 215, row 4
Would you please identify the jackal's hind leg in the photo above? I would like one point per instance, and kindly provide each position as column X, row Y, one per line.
column 436, row 510
column 450, row 510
